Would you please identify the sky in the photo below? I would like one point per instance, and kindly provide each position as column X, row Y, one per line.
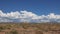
column 31, row 10
column 37, row 6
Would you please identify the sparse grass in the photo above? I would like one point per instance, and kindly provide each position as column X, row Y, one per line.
column 35, row 26
column 12, row 32
column 1, row 28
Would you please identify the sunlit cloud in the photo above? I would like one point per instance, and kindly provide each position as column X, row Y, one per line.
column 26, row 16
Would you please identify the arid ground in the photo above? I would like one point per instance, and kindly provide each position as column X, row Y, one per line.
column 29, row 28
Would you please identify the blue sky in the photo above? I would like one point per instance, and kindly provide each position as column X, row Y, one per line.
column 39, row 7
column 29, row 10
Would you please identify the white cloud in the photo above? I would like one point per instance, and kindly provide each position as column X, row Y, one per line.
column 26, row 16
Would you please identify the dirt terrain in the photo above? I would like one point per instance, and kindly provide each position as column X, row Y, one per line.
column 29, row 28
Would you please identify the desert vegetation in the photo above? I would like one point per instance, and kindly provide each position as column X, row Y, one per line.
column 29, row 28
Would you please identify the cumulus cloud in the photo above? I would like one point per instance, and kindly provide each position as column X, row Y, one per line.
column 26, row 16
